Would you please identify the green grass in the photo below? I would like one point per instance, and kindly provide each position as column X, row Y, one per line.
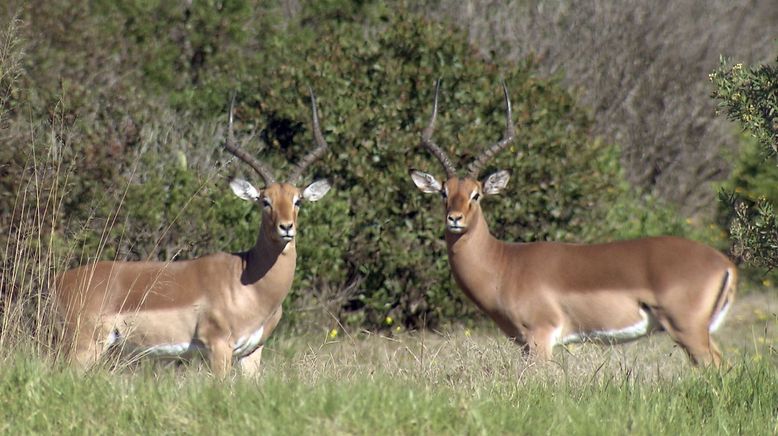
column 455, row 382
column 37, row 399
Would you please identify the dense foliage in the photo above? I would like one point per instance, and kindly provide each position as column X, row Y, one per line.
column 122, row 106
column 749, row 96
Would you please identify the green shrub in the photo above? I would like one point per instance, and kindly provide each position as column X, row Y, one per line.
column 755, row 174
column 749, row 95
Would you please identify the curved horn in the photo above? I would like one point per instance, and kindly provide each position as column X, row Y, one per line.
column 259, row 167
column 426, row 138
column 475, row 167
column 318, row 139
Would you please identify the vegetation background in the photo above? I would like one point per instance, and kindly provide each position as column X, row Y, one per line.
column 112, row 116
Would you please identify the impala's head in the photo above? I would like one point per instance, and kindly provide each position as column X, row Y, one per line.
column 280, row 201
column 462, row 195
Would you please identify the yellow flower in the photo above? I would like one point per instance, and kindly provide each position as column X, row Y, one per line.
column 333, row 333
column 398, row 329
column 467, row 332
column 388, row 320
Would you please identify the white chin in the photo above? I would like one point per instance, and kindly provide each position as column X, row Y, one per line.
column 456, row 230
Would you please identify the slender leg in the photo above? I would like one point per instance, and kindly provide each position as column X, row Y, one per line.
column 715, row 352
column 535, row 329
column 540, row 343
column 700, row 347
column 691, row 333
column 220, row 357
column 250, row 364
column 87, row 342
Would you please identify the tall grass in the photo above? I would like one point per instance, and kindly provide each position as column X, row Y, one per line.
column 31, row 256
column 466, row 385
column 27, row 262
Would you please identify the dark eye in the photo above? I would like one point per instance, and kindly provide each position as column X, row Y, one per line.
column 298, row 202
column 265, row 202
column 476, row 196
column 443, row 194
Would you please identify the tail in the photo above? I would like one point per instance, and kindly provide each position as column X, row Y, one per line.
column 724, row 300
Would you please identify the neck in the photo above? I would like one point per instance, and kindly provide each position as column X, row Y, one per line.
column 269, row 258
column 474, row 257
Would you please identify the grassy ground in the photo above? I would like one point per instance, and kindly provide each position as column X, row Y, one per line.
column 452, row 382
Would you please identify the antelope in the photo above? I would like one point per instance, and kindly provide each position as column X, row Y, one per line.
column 544, row 294
column 221, row 307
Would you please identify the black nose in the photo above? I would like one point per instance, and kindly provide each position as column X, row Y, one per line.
column 286, row 227
column 455, row 218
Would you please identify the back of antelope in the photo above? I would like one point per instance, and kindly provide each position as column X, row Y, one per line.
column 547, row 293
column 221, row 306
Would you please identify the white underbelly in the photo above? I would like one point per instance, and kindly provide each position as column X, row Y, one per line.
column 645, row 326
column 244, row 346
column 184, row 350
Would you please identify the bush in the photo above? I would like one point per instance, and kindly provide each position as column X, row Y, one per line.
column 749, row 95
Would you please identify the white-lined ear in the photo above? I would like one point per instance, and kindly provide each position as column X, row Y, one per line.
column 495, row 183
column 425, row 182
column 316, row 190
column 244, row 190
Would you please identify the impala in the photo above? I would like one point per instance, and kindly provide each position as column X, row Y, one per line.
column 547, row 293
column 221, row 306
